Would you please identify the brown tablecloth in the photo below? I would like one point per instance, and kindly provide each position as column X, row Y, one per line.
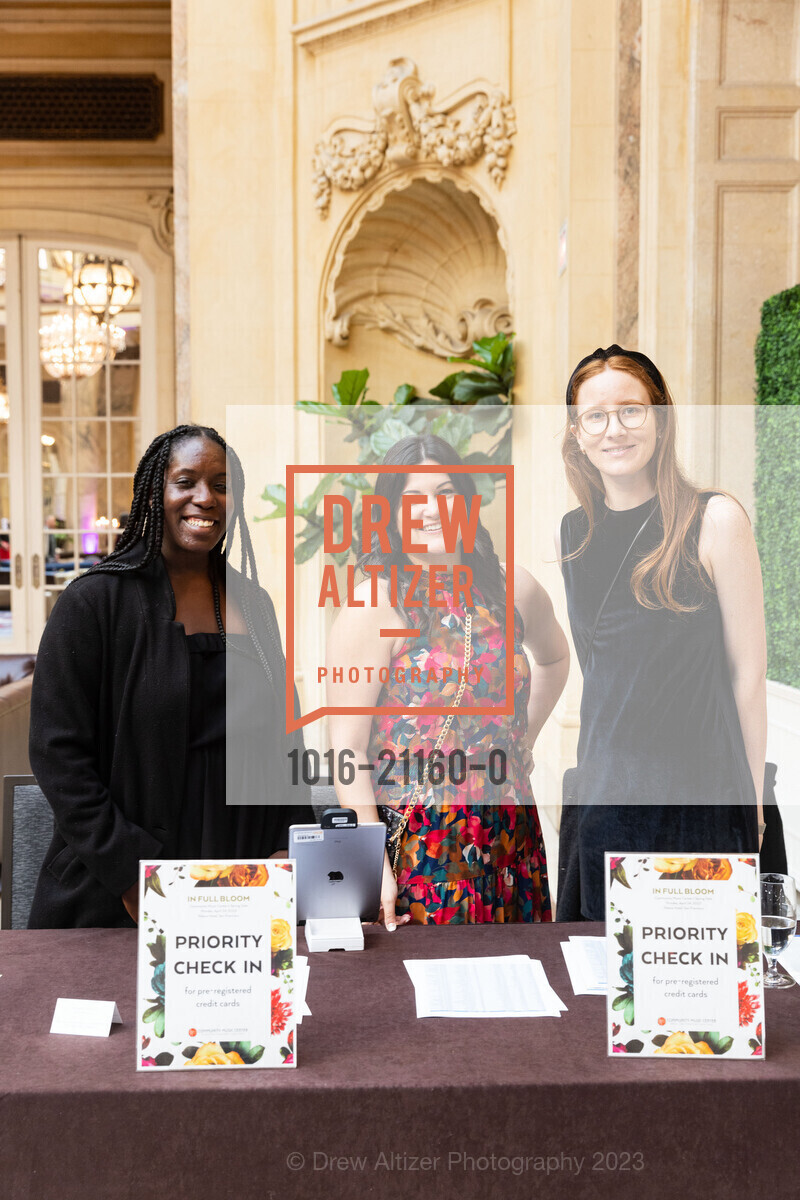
column 381, row 1104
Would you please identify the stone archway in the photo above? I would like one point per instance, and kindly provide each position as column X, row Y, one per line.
column 423, row 259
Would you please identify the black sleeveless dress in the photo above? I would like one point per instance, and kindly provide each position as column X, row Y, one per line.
column 661, row 759
column 229, row 757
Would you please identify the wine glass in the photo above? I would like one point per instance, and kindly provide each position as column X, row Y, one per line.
column 778, row 920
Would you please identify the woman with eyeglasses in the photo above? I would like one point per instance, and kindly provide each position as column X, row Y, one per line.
column 666, row 608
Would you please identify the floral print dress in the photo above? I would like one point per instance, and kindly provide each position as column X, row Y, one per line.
column 472, row 850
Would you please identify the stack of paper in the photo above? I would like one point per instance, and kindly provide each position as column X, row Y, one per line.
column 511, row 985
column 300, row 985
column 586, row 962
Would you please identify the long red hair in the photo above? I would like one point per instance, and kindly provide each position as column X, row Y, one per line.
column 654, row 577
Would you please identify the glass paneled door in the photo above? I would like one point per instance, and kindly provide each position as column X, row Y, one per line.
column 70, row 421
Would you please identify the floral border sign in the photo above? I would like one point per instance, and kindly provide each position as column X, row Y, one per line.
column 683, row 938
column 216, row 964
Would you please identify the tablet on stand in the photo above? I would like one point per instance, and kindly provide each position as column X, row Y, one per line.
column 339, row 873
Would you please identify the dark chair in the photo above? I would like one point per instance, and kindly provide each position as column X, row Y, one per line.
column 27, row 831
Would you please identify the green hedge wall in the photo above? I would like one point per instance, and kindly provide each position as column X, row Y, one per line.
column 778, row 480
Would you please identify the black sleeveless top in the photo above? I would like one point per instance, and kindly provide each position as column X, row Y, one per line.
column 230, row 757
column 661, row 758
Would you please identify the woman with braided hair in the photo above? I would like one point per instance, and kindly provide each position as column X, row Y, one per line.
column 141, row 725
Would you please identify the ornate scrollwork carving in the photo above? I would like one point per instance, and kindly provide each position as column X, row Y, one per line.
column 409, row 129
column 164, row 228
column 425, row 264
column 422, row 332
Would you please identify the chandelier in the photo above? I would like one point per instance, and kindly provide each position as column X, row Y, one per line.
column 74, row 344
column 103, row 286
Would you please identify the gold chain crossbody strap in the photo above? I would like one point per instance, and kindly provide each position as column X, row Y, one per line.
column 397, row 836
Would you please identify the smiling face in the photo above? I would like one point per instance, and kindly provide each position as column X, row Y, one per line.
column 618, row 453
column 430, row 485
column 197, row 502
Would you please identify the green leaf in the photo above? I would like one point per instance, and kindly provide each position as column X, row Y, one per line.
column 351, row 387
column 472, row 386
column 493, row 353
column 719, row 1045
column 417, row 421
column 501, row 453
column 151, row 1013
column 276, row 494
column 153, row 884
column 659, row 1039
column 634, row 1046
column 480, row 363
column 628, row 1012
column 158, row 1025
column 331, row 411
column 485, row 487
column 619, row 1002
column 387, row 435
column 158, row 950
column 454, row 426
column 619, row 874
column 310, row 503
column 489, row 417
column 357, row 481
column 444, row 390
column 404, row 394
column 309, row 547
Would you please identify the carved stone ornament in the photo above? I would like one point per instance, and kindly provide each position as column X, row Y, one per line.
column 164, row 228
column 408, row 129
column 425, row 263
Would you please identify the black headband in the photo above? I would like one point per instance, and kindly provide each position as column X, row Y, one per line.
column 613, row 351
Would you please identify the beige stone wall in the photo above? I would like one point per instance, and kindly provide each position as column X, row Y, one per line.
column 265, row 84
column 658, row 136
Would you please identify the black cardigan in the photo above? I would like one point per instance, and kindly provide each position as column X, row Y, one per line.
column 109, row 729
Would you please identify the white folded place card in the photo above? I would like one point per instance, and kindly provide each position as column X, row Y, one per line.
column 86, row 1018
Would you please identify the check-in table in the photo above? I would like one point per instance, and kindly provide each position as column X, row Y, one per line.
column 381, row 1104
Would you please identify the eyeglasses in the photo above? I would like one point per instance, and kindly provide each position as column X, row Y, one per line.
column 630, row 416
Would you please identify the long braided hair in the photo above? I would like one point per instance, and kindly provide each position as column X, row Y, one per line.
column 146, row 524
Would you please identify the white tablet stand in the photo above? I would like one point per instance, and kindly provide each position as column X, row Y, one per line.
column 334, row 933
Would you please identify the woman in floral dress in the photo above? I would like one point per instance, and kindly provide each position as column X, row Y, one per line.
column 471, row 848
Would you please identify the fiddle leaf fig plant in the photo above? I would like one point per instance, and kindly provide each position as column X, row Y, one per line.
column 464, row 405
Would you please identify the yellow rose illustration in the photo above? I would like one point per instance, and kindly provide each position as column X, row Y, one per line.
column 211, row 1054
column 746, row 929
column 673, row 866
column 681, row 1043
column 281, row 933
column 205, row 871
